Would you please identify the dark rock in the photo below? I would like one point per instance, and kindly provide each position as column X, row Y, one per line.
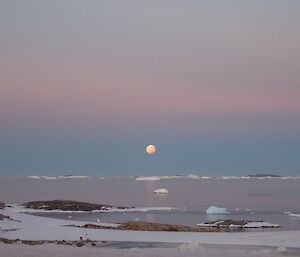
column 80, row 244
column 7, row 241
column 146, row 226
column 2, row 217
column 2, row 205
column 66, row 205
column 33, row 242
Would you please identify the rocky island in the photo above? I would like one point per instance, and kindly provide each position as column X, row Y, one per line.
column 238, row 224
column 150, row 226
column 68, row 205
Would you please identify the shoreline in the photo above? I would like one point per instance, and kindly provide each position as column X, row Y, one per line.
column 133, row 249
column 33, row 236
column 31, row 227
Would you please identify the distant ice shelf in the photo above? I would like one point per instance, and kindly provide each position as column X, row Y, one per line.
column 58, row 177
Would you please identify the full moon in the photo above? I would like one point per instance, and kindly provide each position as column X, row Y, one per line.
column 150, row 149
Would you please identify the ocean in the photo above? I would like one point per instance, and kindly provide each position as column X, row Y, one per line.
column 267, row 199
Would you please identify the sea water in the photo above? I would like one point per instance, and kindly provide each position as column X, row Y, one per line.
column 246, row 199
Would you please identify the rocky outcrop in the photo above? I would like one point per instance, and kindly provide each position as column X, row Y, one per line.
column 238, row 224
column 2, row 205
column 67, row 205
column 2, row 217
column 78, row 243
column 147, row 226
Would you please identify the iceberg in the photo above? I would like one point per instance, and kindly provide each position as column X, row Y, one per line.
column 216, row 210
column 161, row 191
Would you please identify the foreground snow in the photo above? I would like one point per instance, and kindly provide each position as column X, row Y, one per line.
column 180, row 251
column 40, row 228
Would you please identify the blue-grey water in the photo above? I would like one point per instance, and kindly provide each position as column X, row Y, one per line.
column 246, row 199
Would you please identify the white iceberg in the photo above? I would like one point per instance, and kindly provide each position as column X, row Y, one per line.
column 216, row 210
column 161, row 191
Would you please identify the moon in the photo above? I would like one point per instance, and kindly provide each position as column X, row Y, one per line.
column 150, row 149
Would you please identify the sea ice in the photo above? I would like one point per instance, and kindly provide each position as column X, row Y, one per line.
column 294, row 215
column 190, row 247
column 216, row 210
column 260, row 224
column 42, row 228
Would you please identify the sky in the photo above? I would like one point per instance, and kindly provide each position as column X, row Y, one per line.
column 86, row 85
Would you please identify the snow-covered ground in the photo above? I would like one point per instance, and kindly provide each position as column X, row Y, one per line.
column 181, row 251
column 40, row 228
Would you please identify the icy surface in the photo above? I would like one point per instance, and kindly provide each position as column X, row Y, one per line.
column 39, row 228
column 262, row 224
column 216, row 210
column 294, row 214
column 193, row 250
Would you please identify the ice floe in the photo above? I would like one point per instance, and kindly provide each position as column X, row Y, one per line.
column 294, row 214
column 260, row 224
